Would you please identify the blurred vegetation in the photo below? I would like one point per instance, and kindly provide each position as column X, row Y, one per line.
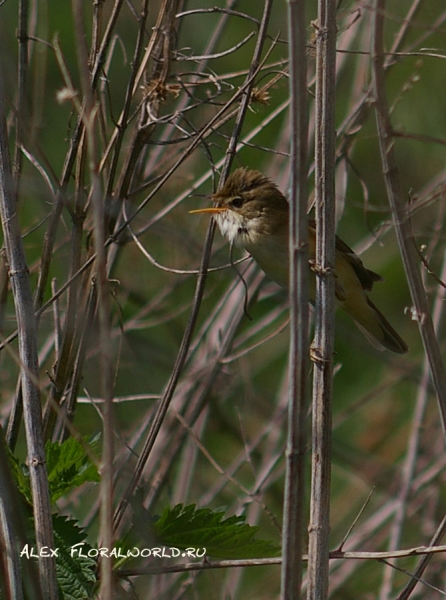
column 232, row 390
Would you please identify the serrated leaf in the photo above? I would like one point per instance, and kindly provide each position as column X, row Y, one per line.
column 76, row 571
column 187, row 527
column 69, row 466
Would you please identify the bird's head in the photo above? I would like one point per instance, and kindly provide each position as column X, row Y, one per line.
column 247, row 207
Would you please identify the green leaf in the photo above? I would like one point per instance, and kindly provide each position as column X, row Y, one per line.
column 76, row 571
column 69, row 466
column 186, row 527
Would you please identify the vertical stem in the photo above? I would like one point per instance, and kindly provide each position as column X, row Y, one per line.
column 413, row 445
column 29, row 369
column 12, row 579
column 293, row 531
column 22, row 112
column 420, row 309
column 105, row 342
column 322, row 353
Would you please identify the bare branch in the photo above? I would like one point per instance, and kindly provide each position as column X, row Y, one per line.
column 294, row 509
column 323, row 345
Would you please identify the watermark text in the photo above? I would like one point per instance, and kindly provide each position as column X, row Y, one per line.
column 79, row 551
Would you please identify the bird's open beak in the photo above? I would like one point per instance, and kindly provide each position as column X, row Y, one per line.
column 212, row 209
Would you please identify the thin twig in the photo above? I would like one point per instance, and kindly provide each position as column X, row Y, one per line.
column 259, row 562
column 438, row 536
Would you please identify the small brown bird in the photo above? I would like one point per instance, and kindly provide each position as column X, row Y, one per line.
column 252, row 212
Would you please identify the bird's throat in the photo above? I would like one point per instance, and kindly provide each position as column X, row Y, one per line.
column 239, row 230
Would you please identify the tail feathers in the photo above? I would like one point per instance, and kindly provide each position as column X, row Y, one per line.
column 379, row 332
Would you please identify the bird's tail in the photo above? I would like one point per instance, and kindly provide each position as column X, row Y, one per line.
column 379, row 331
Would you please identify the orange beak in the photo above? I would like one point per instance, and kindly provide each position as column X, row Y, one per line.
column 211, row 209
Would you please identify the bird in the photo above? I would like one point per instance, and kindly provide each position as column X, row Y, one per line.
column 252, row 212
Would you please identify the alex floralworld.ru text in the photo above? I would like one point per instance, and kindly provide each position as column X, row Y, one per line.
column 78, row 551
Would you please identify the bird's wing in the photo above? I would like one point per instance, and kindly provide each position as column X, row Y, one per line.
column 366, row 277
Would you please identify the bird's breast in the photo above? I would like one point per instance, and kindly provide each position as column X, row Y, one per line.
column 271, row 254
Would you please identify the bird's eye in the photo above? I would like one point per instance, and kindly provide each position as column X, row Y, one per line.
column 237, row 202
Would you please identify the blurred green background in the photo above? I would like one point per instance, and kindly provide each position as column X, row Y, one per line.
column 237, row 383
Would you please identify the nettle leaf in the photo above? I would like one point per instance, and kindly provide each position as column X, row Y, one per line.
column 69, row 466
column 76, row 571
column 187, row 527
